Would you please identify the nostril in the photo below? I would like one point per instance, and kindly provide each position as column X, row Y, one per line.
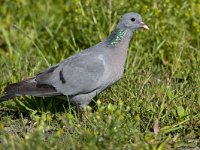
column 142, row 23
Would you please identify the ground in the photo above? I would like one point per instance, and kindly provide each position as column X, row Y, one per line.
column 155, row 105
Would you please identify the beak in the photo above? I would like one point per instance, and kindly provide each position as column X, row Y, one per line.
column 144, row 26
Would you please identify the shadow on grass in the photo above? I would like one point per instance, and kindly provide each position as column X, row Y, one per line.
column 27, row 105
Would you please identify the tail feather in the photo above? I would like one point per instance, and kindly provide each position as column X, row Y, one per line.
column 21, row 87
column 7, row 97
column 28, row 87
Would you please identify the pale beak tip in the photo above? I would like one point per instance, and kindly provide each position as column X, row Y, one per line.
column 144, row 26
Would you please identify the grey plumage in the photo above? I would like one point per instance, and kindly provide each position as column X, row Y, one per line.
column 82, row 76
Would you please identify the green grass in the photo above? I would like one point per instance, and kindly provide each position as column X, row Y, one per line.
column 155, row 105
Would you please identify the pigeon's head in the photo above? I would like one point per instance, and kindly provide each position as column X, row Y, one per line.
column 132, row 21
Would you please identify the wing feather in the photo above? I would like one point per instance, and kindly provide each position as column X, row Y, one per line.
column 75, row 75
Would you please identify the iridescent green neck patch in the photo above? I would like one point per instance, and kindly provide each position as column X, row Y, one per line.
column 117, row 37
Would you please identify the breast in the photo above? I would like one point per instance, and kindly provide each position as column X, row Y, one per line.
column 119, row 58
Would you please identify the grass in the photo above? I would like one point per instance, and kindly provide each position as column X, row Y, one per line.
column 155, row 105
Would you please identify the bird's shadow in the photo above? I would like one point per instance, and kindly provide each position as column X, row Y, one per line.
column 39, row 105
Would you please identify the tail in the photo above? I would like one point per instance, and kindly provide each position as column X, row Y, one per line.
column 28, row 87
column 7, row 97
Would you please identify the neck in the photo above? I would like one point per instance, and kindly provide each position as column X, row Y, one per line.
column 118, row 36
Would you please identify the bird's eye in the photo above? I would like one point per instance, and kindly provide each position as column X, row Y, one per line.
column 133, row 19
